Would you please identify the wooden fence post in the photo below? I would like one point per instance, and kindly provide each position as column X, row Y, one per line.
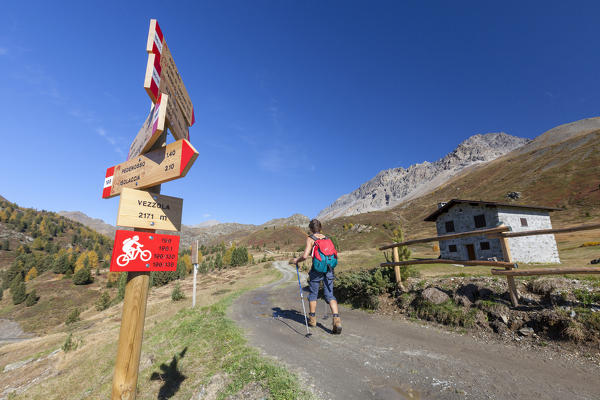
column 512, row 287
column 396, row 258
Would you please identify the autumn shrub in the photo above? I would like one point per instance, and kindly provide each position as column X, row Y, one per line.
column 32, row 274
column 73, row 316
column 103, row 302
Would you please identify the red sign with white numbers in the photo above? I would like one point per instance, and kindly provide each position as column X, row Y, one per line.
column 143, row 251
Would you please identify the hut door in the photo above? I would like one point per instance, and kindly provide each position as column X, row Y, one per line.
column 471, row 251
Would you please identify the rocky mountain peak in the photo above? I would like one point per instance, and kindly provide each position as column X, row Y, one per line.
column 393, row 186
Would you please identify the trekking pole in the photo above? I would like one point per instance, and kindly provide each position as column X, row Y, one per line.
column 302, row 299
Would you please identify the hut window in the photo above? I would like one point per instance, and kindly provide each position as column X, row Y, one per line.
column 484, row 245
column 449, row 226
column 452, row 248
column 524, row 222
column 480, row 221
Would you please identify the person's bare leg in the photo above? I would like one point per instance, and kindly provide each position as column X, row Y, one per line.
column 333, row 305
column 337, row 322
column 312, row 319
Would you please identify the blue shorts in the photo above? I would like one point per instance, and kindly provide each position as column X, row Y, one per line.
column 315, row 278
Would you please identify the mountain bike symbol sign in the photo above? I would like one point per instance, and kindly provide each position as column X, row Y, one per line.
column 144, row 251
column 131, row 249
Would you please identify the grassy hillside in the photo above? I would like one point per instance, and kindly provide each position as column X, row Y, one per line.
column 41, row 251
column 187, row 353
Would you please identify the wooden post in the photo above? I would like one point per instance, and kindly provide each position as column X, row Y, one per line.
column 132, row 323
column 396, row 258
column 512, row 287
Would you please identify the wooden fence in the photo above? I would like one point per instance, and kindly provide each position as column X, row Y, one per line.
column 502, row 233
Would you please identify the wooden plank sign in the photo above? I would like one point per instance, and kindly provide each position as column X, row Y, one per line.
column 176, row 122
column 155, row 85
column 157, row 45
column 141, row 209
column 152, row 78
column 155, row 167
column 144, row 251
column 152, row 129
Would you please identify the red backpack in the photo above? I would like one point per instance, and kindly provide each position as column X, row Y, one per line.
column 324, row 254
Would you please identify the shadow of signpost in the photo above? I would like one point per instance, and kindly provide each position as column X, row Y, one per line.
column 170, row 376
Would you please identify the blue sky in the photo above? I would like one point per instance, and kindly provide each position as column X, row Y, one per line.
column 296, row 102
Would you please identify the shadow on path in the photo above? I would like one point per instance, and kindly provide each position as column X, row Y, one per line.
column 170, row 376
column 296, row 316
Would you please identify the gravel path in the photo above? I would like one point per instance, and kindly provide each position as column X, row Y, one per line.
column 378, row 357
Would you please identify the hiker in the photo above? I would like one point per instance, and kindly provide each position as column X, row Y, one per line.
column 315, row 241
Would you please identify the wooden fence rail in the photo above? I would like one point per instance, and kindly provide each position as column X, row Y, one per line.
column 447, row 261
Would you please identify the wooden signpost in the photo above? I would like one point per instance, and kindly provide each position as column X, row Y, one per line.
column 157, row 45
column 153, row 168
column 141, row 209
column 154, row 85
column 152, row 129
column 150, row 162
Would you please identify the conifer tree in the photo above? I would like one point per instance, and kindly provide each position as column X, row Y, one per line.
column 83, row 276
column 32, row 298
column 19, row 293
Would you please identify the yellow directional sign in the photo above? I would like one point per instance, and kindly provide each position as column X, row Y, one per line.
column 153, row 168
column 141, row 209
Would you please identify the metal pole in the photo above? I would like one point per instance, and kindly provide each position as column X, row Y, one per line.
column 194, row 295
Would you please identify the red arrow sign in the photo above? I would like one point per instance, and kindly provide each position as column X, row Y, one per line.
column 143, row 251
column 150, row 169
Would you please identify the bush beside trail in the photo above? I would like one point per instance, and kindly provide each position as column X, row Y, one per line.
column 554, row 309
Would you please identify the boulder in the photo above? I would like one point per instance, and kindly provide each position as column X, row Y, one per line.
column 434, row 295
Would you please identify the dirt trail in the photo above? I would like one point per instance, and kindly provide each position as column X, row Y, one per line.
column 383, row 358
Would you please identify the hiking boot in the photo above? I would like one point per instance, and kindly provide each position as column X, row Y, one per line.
column 337, row 325
column 312, row 320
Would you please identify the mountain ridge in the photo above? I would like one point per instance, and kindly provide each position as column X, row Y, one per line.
column 393, row 186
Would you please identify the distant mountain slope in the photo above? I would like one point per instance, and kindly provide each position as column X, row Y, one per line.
column 393, row 186
column 231, row 231
column 295, row 220
column 93, row 223
column 206, row 224
column 562, row 133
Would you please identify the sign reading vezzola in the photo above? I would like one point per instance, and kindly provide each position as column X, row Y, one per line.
column 141, row 209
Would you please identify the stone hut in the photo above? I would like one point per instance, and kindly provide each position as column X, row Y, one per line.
column 458, row 216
